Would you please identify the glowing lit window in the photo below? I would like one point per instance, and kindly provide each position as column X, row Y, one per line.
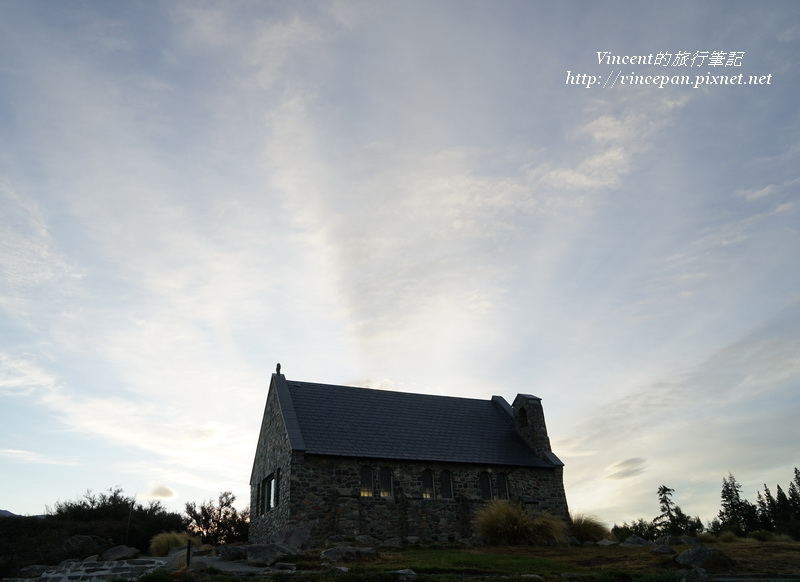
column 366, row 482
column 387, row 489
column 427, row 484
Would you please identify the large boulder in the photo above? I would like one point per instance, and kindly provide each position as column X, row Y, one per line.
column 232, row 553
column 80, row 546
column 346, row 553
column 267, row 554
column 120, row 553
column 33, row 571
column 702, row 557
column 366, row 541
column 298, row 536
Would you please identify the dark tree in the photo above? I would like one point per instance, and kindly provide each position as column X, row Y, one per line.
column 737, row 515
column 221, row 523
column 673, row 521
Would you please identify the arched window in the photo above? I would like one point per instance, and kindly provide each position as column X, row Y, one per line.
column 485, row 484
column 502, row 486
column 446, row 484
column 387, row 489
column 366, row 482
column 427, row 484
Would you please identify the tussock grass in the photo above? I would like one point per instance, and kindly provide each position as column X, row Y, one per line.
column 588, row 528
column 728, row 537
column 161, row 544
column 502, row 523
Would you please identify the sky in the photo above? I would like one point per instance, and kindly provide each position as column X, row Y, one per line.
column 446, row 197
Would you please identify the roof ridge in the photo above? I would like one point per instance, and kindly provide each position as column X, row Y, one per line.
column 387, row 391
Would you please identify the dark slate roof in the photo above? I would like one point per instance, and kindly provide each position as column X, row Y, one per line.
column 324, row 419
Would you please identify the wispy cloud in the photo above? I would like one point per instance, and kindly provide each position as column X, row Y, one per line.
column 21, row 456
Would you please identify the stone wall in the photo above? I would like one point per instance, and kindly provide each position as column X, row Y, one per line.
column 321, row 496
column 325, row 495
column 273, row 455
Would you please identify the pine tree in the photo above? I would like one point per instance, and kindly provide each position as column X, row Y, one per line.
column 764, row 517
column 737, row 515
column 673, row 521
column 667, row 506
column 794, row 494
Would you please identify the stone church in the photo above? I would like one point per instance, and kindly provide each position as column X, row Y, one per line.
column 337, row 460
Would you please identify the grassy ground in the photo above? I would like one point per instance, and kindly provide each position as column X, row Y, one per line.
column 750, row 559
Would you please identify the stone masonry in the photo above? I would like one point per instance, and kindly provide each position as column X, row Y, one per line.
column 323, row 495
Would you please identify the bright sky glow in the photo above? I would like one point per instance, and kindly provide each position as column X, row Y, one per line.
column 405, row 195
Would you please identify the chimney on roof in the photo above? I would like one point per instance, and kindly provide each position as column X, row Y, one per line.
column 530, row 425
column 278, row 369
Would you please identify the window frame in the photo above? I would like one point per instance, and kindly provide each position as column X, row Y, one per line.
column 428, row 488
column 502, row 486
column 386, row 482
column 485, row 485
column 367, row 477
column 446, row 484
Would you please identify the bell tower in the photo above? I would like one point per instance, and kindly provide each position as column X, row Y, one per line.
column 530, row 425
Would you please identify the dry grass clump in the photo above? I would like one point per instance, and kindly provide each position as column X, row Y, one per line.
column 161, row 544
column 588, row 528
column 502, row 523
column 728, row 537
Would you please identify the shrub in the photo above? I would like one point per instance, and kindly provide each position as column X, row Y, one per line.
column 728, row 537
column 548, row 530
column 706, row 537
column 502, row 523
column 761, row 535
column 588, row 528
column 219, row 524
column 640, row 527
column 162, row 543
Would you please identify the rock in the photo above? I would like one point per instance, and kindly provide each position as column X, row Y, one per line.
column 392, row 543
column 346, row 553
column 80, row 546
column 607, row 543
column 67, row 561
column 693, row 575
column 588, row 544
column 665, row 550
column 120, row 553
column 92, row 558
column 175, row 562
column 412, row 540
column 573, row 541
column 339, row 570
column 266, row 555
column 702, row 556
column 33, row 571
column 298, row 537
column 178, row 550
column 634, row 541
column 405, row 574
column 232, row 553
column 285, row 566
column 366, row 541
